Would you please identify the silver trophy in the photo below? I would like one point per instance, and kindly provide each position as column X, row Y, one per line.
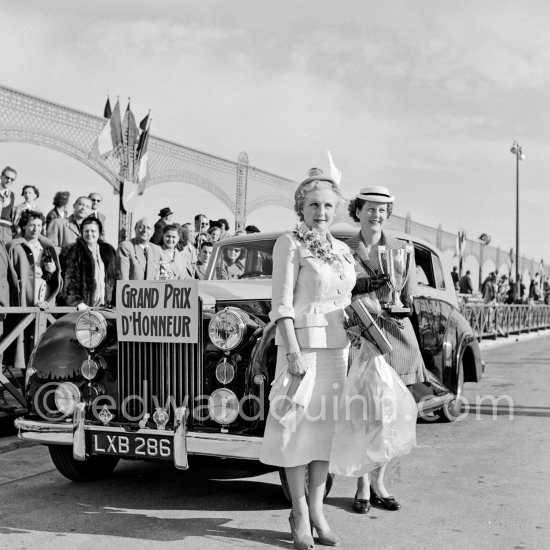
column 396, row 263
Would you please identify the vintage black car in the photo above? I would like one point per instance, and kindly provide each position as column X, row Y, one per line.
column 94, row 399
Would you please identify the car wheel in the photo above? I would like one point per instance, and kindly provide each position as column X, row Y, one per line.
column 286, row 491
column 94, row 468
column 453, row 409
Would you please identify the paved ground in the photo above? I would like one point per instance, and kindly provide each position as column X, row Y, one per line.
column 480, row 483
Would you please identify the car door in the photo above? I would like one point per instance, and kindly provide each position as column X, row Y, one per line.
column 432, row 310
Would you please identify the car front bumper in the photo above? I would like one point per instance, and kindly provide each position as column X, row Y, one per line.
column 184, row 442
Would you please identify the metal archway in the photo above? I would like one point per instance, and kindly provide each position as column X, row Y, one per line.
column 29, row 119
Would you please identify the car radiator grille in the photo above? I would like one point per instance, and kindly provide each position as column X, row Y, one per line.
column 152, row 375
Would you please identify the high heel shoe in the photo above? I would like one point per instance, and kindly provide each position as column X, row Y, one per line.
column 326, row 538
column 300, row 543
column 389, row 502
column 361, row 505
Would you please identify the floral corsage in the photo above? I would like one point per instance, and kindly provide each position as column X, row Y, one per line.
column 320, row 248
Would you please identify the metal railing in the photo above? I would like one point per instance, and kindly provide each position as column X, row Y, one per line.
column 491, row 321
column 29, row 315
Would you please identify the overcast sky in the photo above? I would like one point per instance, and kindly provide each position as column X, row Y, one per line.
column 424, row 97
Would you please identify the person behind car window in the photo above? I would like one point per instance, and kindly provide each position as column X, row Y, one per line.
column 233, row 260
column 34, row 276
column 204, row 258
column 371, row 208
column 313, row 275
column 174, row 264
column 91, row 269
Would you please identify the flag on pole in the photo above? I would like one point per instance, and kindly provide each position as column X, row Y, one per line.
column 144, row 122
column 110, row 138
column 143, row 156
column 130, row 137
column 107, row 112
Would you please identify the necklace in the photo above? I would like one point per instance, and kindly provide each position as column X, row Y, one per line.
column 319, row 247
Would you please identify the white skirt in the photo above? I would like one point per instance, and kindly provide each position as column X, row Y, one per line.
column 377, row 420
column 308, row 436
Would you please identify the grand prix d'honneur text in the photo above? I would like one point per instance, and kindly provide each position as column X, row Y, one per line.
column 157, row 311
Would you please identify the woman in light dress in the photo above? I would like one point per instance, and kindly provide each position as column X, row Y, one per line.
column 313, row 275
column 174, row 264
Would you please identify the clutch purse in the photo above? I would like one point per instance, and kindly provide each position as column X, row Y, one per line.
column 360, row 315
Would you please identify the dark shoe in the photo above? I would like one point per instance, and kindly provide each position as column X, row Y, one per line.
column 326, row 538
column 389, row 503
column 361, row 505
column 300, row 543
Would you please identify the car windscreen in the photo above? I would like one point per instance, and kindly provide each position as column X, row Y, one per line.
column 245, row 260
column 254, row 259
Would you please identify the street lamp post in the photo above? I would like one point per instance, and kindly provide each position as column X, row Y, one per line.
column 484, row 240
column 516, row 150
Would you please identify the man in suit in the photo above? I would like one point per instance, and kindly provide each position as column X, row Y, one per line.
column 97, row 199
column 465, row 284
column 138, row 259
column 7, row 203
column 64, row 231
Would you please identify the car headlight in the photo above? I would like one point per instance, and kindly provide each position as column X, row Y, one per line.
column 67, row 395
column 225, row 372
column 226, row 329
column 89, row 369
column 91, row 329
column 223, row 406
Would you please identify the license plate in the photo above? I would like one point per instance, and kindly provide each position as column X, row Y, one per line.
column 132, row 445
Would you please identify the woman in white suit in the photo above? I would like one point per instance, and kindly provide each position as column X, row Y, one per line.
column 313, row 275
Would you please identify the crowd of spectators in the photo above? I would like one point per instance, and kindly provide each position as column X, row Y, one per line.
column 63, row 258
column 502, row 290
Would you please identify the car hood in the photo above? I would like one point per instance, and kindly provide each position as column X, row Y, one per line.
column 249, row 289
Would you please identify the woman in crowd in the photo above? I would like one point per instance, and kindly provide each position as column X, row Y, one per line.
column 91, row 269
column 371, row 208
column 34, row 275
column 215, row 233
column 313, row 275
column 59, row 210
column 232, row 266
column 174, row 264
column 30, row 194
column 224, row 226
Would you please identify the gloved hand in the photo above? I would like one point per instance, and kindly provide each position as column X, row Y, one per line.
column 370, row 283
column 408, row 302
column 354, row 335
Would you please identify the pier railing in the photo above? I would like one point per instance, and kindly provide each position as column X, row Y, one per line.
column 491, row 321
